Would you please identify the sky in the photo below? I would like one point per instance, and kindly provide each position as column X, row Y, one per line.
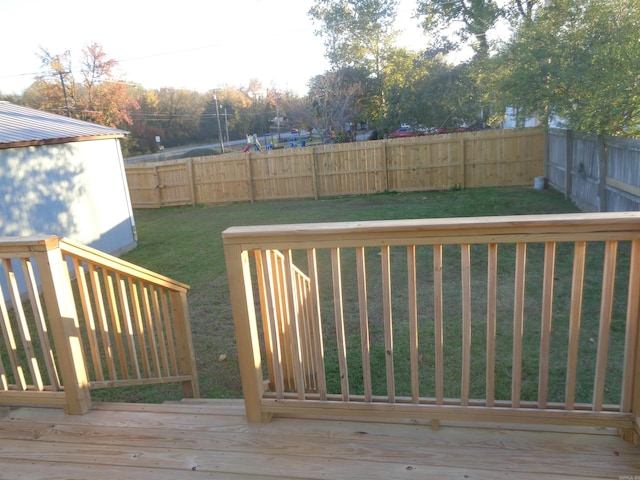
column 192, row 44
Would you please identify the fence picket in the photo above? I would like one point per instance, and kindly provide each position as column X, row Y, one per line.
column 500, row 158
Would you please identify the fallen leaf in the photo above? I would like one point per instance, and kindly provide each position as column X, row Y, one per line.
column 222, row 357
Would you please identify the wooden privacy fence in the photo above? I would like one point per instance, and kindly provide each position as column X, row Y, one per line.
column 464, row 160
column 597, row 173
column 529, row 319
column 74, row 318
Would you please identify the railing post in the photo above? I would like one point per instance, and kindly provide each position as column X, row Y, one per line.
column 58, row 297
column 244, row 318
column 184, row 344
column 631, row 375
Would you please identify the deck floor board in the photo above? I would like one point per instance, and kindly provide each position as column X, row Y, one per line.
column 211, row 439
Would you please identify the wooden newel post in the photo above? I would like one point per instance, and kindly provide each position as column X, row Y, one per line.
column 61, row 310
column 184, row 344
column 244, row 319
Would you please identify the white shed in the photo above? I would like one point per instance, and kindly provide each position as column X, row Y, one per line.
column 65, row 177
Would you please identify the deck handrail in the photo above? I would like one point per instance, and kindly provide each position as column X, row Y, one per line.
column 567, row 375
column 75, row 319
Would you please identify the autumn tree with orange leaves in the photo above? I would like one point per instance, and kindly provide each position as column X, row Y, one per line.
column 98, row 96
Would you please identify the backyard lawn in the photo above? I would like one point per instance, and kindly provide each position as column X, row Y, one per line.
column 185, row 243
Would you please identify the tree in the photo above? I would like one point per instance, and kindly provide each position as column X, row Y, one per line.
column 579, row 60
column 99, row 97
column 359, row 35
column 437, row 94
column 179, row 114
column 54, row 90
column 337, row 97
column 474, row 17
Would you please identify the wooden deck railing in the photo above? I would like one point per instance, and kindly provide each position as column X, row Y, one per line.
column 529, row 319
column 74, row 318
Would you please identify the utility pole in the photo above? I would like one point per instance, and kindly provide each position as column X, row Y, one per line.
column 219, row 127
column 64, row 92
column 226, row 123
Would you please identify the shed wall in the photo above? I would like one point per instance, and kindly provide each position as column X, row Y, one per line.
column 76, row 190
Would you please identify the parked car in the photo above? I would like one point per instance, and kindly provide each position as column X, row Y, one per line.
column 403, row 132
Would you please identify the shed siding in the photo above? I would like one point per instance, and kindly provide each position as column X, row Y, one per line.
column 76, row 190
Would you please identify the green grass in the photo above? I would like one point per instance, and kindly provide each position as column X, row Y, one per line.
column 186, row 244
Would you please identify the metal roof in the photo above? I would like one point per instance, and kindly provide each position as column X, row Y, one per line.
column 22, row 125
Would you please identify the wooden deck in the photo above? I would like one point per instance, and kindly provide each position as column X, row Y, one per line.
column 211, row 439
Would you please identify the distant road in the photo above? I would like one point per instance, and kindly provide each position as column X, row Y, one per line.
column 177, row 152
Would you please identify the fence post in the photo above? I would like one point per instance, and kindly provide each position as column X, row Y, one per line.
column 192, row 187
column 546, row 153
column 568, row 165
column 385, row 163
column 603, row 166
column 314, row 166
column 463, row 180
column 244, row 319
column 252, row 190
column 60, row 305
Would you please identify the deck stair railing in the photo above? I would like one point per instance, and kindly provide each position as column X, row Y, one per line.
column 527, row 319
column 75, row 319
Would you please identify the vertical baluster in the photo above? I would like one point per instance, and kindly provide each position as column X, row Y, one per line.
column 115, row 320
column 40, row 321
column 102, row 321
column 339, row 318
column 169, row 331
column 23, row 327
column 273, row 340
column 518, row 323
column 162, row 346
column 492, row 296
column 575, row 316
column 151, row 335
column 293, row 315
column 545, row 330
column 282, row 319
column 365, row 346
column 89, row 319
column 413, row 323
column 465, row 266
column 388, row 322
column 126, row 313
column 606, row 309
column 135, row 289
column 438, row 321
column 11, row 346
column 314, row 298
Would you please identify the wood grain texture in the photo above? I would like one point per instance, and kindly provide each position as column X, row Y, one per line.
column 211, row 439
